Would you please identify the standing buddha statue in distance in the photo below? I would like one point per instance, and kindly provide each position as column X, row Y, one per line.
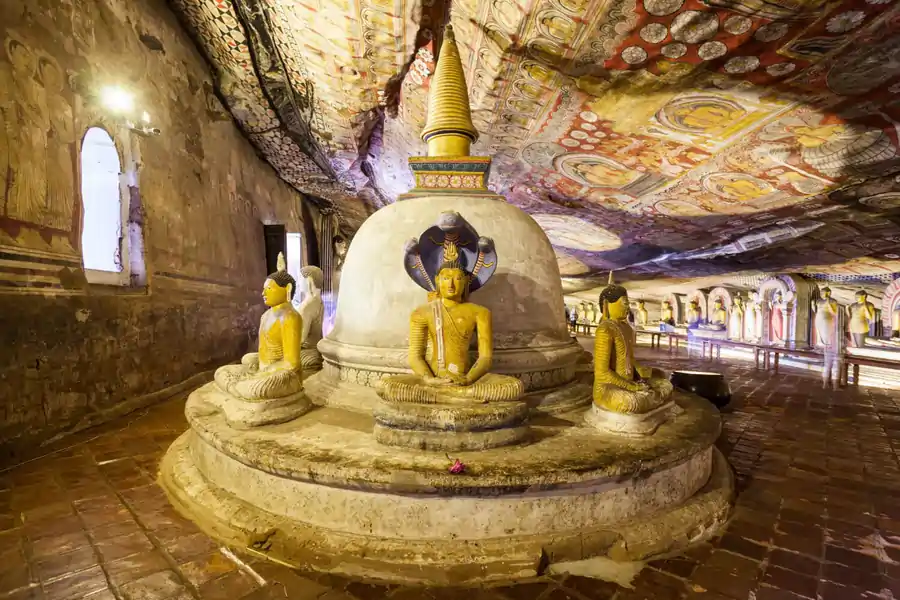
column 621, row 385
column 860, row 316
column 719, row 316
column 736, row 320
column 450, row 261
column 752, row 318
column 776, row 318
column 895, row 322
column 826, row 322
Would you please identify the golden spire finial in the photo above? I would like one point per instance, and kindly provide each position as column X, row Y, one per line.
column 449, row 130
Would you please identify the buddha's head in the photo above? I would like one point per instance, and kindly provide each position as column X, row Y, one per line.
column 314, row 278
column 778, row 297
column 452, row 282
column 717, row 304
column 614, row 300
column 641, row 305
column 738, row 301
column 826, row 292
column 279, row 288
column 694, row 305
column 861, row 296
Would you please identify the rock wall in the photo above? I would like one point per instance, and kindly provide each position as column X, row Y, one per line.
column 75, row 353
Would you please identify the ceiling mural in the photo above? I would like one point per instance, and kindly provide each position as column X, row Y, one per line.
column 688, row 137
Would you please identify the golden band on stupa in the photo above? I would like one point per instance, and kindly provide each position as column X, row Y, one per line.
column 449, row 130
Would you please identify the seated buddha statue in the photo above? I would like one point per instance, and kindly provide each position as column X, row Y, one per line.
column 441, row 331
column 621, row 385
column 719, row 316
column 274, row 372
column 693, row 314
column 312, row 313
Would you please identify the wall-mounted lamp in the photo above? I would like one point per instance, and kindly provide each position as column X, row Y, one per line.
column 120, row 102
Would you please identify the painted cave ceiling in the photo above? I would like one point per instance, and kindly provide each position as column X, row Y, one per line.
column 663, row 137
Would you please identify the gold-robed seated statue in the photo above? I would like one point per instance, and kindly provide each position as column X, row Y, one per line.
column 628, row 397
column 267, row 387
column 449, row 401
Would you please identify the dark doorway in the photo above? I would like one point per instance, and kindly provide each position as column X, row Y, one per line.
column 276, row 241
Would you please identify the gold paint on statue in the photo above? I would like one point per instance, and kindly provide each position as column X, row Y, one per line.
column 449, row 130
column 719, row 314
column 620, row 383
column 445, row 326
column 275, row 370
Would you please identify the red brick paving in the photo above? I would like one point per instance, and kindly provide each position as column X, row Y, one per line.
column 817, row 515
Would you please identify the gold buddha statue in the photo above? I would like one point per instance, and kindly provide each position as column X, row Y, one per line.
column 275, row 370
column 621, row 385
column 441, row 331
column 719, row 315
column 693, row 314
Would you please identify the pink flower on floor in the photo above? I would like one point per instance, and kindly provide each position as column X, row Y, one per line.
column 457, row 467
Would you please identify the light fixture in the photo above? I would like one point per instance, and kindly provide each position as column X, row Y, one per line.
column 117, row 100
column 120, row 102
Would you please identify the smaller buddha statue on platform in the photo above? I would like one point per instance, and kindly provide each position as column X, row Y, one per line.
column 621, row 385
column 694, row 315
column 667, row 314
column 719, row 316
column 312, row 312
column 642, row 317
column 860, row 315
column 736, row 320
column 267, row 387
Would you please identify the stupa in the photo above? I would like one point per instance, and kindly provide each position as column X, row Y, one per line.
column 363, row 483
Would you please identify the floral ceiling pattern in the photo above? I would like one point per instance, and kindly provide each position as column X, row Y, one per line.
column 688, row 137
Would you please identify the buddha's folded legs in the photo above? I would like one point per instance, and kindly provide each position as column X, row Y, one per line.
column 412, row 389
column 616, row 399
column 248, row 384
column 310, row 359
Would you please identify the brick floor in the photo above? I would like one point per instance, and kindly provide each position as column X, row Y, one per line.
column 817, row 517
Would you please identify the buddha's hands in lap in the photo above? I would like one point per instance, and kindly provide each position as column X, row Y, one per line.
column 639, row 386
column 438, row 381
column 251, row 361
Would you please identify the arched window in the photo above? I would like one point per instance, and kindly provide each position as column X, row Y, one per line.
column 101, row 196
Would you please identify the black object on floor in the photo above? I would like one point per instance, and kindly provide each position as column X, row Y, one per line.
column 711, row 386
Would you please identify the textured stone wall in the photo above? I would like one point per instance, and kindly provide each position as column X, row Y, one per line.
column 71, row 353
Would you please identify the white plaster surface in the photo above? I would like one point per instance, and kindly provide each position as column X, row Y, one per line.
column 377, row 296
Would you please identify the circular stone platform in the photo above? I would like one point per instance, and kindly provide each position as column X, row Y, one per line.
column 321, row 493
